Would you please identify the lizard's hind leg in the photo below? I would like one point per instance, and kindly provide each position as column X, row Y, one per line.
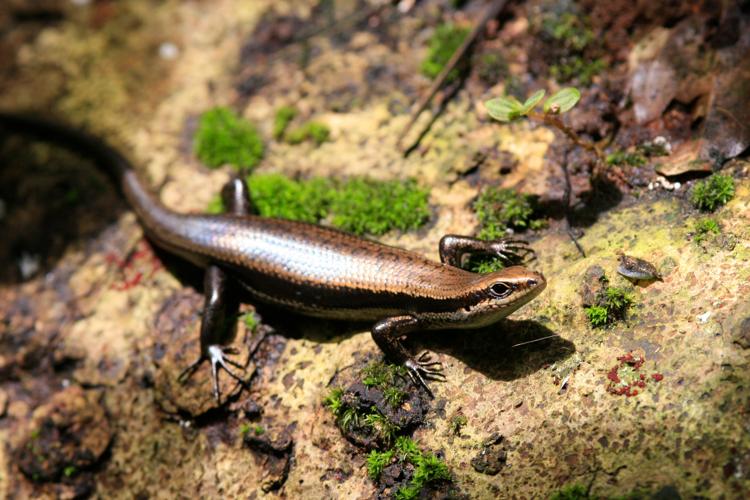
column 218, row 325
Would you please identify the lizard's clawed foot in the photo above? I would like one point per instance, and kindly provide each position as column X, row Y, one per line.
column 512, row 251
column 424, row 368
column 217, row 355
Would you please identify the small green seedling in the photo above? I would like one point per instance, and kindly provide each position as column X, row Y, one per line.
column 712, row 193
column 508, row 108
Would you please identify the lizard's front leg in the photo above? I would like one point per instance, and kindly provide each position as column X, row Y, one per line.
column 387, row 332
column 220, row 308
column 454, row 248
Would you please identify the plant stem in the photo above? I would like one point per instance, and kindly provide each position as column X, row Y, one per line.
column 555, row 121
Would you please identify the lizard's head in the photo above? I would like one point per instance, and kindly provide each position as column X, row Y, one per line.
column 498, row 294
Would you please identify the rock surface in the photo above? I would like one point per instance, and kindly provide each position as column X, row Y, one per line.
column 110, row 316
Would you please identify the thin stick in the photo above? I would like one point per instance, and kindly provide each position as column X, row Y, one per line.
column 492, row 11
column 566, row 203
column 535, row 340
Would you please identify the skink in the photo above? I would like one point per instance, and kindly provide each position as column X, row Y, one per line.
column 311, row 269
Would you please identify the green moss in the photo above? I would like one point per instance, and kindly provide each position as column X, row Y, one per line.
column 570, row 492
column 382, row 375
column 316, row 132
column 485, row 265
column 383, row 428
column 571, row 40
column 225, row 138
column 349, row 418
column 284, row 115
column 244, row 430
column 428, row 468
column 443, row 43
column 621, row 157
column 597, row 316
column 70, row 471
column 358, row 205
column 611, row 306
column 275, row 195
column 333, row 401
column 364, row 206
column 250, row 320
column 377, row 461
column 704, row 228
column 216, row 206
column 258, row 430
column 492, row 67
column 712, row 193
column 578, row 68
column 406, row 449
column 498, row 209
column 457, row 423
column 394, row 396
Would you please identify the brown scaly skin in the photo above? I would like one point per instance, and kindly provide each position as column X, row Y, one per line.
column 314, row 270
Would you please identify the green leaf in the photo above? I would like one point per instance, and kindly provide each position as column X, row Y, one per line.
column 564, row 100
column 504, row 109
column 533, row 101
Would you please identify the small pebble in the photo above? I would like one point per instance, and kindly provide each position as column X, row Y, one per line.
column 637, row 269
column 28, row 265
column 168, row 51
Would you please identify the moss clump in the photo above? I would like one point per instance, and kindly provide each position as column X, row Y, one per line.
column 712, row 193
column 384, row 377
column 705, row 228
column 491, row 68
column 225, row 138
column 275, row 195
column 316, row 132
column 334, row 402
column 282, row 119
column 499, row 209
column 621, row 157
column 571, row 42
column 443, row 43
column 611, row 306
column 216, row 206
column 250, row 320
column 597, row 316
column 570, row 492
column 428, row 468
column 364, row 206
column 70, row 471
column 457, row 423
column 360, row 206
column 377, row 461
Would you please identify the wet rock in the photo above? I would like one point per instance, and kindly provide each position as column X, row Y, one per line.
column 492, row 457
column 741, row 335
column 177, row 346
column 277, row 457
column 594, row 283
column 67, row 435
column 637, row 269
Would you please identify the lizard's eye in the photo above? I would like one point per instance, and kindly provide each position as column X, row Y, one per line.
column 500, row 290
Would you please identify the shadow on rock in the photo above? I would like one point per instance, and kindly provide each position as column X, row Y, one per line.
column 491, row 350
